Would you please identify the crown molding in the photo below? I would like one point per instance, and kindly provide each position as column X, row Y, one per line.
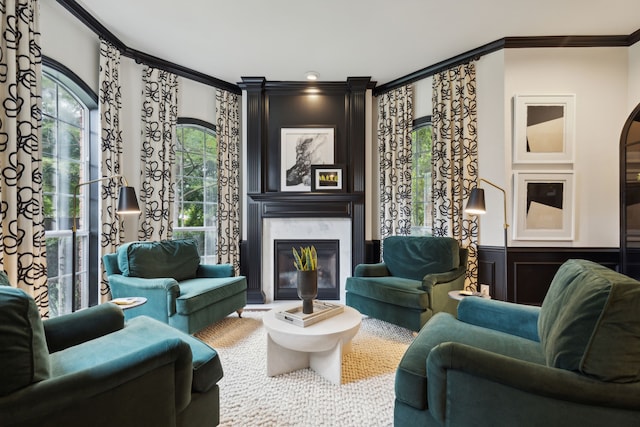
column 140, row 57
column 505, row 43
column 511, row 43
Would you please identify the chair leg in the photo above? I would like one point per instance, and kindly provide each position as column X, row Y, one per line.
column 239, row 311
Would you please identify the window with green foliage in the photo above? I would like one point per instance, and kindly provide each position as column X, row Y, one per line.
column 196, row 202
column 421, row 207
column 65, row 162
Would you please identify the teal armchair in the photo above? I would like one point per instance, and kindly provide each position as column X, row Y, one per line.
column 574, row 361
column 92, row 368
column 413, row 281
column 179, row 290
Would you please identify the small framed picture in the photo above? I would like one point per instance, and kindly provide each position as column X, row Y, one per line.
column 544, row 205
column 544, row 128
column 327, row 178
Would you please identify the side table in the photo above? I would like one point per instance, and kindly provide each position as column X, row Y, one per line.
column 129, row 302
column 458, row 295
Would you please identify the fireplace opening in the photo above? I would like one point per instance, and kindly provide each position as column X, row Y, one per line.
column 328, row 268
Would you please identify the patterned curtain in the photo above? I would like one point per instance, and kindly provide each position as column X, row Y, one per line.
column 22, row 242
column 395, row 121
column 112, row 231
column 158, row 154
column 228, row 132
column 455, row 159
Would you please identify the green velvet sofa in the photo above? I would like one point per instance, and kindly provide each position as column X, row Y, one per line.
column 179, row 290
column 574, row 361
column 413, row 281
column 90, row 368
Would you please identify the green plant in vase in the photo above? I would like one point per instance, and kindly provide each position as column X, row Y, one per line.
column 306, row 264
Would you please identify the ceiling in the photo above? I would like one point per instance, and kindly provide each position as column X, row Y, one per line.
column 383, row 39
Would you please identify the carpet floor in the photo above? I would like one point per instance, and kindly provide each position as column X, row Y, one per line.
column 248, row 397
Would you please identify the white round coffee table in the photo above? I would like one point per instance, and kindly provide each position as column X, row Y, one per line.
column 319, row 346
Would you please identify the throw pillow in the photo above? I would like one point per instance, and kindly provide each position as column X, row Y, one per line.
column 589, row 322
column 178, row 259
column 414, row 257
column 24, row 356
column 4, row 279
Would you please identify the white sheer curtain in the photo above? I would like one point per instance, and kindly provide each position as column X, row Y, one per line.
column 158, row 155
column 455, row 159
column 22, row 242
column 395, row 121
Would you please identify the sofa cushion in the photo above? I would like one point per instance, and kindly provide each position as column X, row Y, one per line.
column 589, row 322
column 207, row 369
column 24, row 356
column 196, row 294
column 177, row 259
column 414, row 257
column 400, row 291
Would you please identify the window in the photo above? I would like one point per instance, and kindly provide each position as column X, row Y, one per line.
column 422, row 203
column 65, row 162
column 196, row 199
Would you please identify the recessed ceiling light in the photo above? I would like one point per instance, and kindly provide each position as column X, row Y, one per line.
column 312, row 75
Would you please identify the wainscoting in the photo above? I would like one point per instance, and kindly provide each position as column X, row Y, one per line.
column 530, row 270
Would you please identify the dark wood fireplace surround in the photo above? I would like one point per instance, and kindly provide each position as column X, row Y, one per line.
column 274, row 105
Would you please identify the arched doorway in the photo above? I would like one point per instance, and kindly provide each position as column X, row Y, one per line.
column 630, row 195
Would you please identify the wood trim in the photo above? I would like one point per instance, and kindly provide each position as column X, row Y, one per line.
column 634, row 37
column 566, row 41
column 267, row 104
column 140, row 57
column 422, row 121
column 440, row 66
column 67, row 73
column 627, row 191
column 531, row 269
column 508, row 42
column 197, row 122
column 511, row 43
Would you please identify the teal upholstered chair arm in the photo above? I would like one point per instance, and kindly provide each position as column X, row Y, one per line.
column 84, row 325
column 536, row 381
column 161, row 292
column 110, row 262
column 430, row 280
column 215, row 270
column 514, row 319
column 51, row 398
column 371, row 270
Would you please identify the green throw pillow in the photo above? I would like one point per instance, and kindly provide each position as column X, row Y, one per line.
column 589, row 322
column 4, row 279
column 24, row 356
column 414, row 257
column 178, row 259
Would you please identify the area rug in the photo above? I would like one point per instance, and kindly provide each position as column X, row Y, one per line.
column 248, row 397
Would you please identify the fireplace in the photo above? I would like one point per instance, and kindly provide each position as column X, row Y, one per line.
column 328, row 268
column 304, row 231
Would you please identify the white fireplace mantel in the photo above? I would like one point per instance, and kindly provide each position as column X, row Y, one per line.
column 304, row 229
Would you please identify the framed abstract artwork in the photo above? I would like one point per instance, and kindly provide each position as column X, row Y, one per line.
column 543, row 205
column 543, row 128
column 299, row 149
